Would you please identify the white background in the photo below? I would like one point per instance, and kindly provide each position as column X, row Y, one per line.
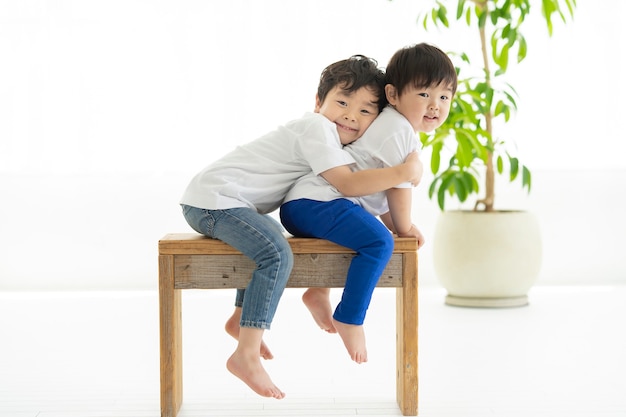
column 108, row 108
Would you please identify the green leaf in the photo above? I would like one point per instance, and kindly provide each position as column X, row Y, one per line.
column 435, row 158
column 465, row 148
column 459, row 188
column 441, row 198
column 514, row 162
column 503, row 60
column 522, row 49
column 526, row 178
column 433, row 187
column 471, row 184
column 510, row 97
column 547, row 8
column 500, row 108
column 506, row 31
column 442, row 15
column 459, row 9
column 433, row 16
column 445, row 186
column 511, row 36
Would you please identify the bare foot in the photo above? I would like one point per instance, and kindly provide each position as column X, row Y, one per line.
column 232, row 328
column 353, row 337
column 248, row 368
column 318, row 302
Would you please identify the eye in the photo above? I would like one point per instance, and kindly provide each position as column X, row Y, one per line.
column 366, row 112
column 342, row 103
column 445, row 98
column 425, row 95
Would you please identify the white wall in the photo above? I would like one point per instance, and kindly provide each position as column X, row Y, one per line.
column 108, row 108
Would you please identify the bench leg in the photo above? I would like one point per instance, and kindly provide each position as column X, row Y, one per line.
column 406, row 339
column 171, row 339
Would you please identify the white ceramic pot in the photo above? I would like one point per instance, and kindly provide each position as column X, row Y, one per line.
column 487, row 259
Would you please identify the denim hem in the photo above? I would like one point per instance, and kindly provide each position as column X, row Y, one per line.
column 255, row 325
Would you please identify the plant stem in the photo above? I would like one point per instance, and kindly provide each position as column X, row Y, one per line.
column 487, row 202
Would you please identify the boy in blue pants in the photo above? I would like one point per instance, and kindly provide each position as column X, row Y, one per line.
column 420, row 84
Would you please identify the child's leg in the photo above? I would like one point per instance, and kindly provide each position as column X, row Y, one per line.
column 373, row 244
column 244, row 364
column 349, row 225
column 260, row 238
column 232, row 328
column 317, row 300
column 353, row 337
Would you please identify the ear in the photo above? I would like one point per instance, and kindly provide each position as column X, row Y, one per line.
column 392, row 94
column 318, row 104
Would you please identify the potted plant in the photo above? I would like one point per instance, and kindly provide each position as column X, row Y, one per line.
column 484, row 257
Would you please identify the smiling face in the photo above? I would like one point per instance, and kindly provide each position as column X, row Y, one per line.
column 352, row 112
column 426, row 108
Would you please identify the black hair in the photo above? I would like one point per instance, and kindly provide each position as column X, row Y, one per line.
column 420, row 65
column 352, row 74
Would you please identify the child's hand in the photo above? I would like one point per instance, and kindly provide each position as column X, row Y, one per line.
column 416, row 168
column 414, row 232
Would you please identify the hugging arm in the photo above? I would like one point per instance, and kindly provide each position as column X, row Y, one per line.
column 369, row 181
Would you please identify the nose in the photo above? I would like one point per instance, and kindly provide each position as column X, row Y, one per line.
column 349, row 116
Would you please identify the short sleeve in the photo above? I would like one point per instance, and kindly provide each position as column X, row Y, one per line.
column 321, row 146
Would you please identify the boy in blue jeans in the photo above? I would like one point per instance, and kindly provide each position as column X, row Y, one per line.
column 420, row 84
column 230, row 199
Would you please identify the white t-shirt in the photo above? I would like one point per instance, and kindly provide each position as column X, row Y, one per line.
column 259, row 174
column 387, row 142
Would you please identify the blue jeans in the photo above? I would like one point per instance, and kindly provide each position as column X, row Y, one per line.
column 260, row 238
column 347, row 224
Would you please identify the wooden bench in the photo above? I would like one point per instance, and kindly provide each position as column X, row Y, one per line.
column 192, row 261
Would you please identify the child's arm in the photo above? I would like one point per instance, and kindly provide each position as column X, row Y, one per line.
column 398, row 218
column 360, row 183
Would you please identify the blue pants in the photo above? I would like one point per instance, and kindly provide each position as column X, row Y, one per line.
column 347, row 224
column 260, row 238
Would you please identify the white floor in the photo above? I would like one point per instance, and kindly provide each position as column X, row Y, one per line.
column 96, row 355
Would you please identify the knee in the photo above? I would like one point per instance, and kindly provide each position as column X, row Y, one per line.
column 286, row 256
column 278, row 254
column 381, row 246
column 388, row 244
